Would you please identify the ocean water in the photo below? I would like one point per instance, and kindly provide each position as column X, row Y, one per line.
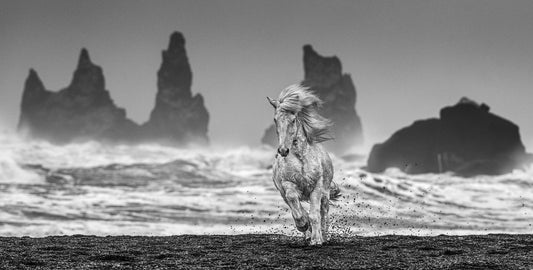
column 97, row 189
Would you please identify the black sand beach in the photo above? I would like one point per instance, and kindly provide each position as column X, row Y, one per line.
column 267, row 251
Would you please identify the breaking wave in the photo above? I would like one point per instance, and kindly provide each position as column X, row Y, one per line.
column 92, row 188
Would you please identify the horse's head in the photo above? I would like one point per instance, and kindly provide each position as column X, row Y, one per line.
column 297, row 119
column 286, row 127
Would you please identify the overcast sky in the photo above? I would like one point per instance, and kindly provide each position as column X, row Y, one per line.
column 408, row 59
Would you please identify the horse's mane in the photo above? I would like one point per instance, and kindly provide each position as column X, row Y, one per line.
column 299, row 100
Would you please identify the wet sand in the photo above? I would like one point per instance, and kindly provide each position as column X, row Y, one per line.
column 267, row 251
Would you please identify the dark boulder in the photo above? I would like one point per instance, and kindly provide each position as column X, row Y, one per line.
column 411, row 149
column 324, row 76
column 467, row 140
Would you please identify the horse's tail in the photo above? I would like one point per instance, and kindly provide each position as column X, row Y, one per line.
column 334, row 192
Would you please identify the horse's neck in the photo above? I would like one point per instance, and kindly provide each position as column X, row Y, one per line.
column 303, row 147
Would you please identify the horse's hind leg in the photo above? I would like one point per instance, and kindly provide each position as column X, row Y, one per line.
column 324, row 213
column 315, row 217
column 292, row 198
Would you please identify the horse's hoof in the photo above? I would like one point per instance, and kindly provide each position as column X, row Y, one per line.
column 303, row 228
column 307, row 237
column 315, row 242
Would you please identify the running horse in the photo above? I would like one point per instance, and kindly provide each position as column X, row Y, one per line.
column 303, row 170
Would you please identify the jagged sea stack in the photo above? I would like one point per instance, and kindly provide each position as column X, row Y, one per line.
column 82, row 111
column 178, row 116
column 324, row 76
column 85, row 111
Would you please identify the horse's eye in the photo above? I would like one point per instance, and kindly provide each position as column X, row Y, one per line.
column 294, row 142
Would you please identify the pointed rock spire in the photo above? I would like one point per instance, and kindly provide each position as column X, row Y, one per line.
column 34, row 93
column 175, row 75
column 33, row 73
column 177, row 41
column 88, row 77
column 177, row 115
column 84, row 60
column 321, row 70
column 33, row 82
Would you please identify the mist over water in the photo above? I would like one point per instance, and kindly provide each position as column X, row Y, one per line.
column 91, row 188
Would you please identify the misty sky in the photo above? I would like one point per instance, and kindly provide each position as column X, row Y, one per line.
column 408, row 59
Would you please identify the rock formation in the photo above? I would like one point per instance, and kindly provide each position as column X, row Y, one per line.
column 177, row 115
column 324, row 76
column 467, row 140
column 85, row 111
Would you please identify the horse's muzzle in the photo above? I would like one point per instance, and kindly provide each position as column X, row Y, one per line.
column 283, row 151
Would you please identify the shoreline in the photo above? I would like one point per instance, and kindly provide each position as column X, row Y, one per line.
column 274, row 251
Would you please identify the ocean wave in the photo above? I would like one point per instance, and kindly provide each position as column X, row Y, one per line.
column 12, row 172
column 146, row 189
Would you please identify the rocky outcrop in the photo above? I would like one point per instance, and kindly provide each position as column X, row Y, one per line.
column 467, row 140
column 85, row 111
column 324, row 76
column 177, row 115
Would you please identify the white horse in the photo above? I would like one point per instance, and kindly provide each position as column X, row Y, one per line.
column 303, row 170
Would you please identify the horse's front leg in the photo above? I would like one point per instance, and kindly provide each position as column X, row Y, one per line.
column 315, row 216
column 292, row 198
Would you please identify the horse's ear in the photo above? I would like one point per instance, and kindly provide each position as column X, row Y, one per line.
column 273, row 102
